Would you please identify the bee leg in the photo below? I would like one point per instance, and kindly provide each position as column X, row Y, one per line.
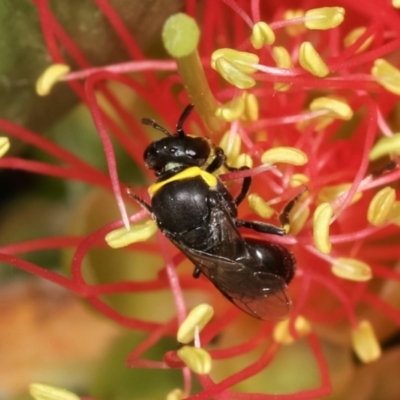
column 245, row 187
column 218, row 161
column 139, row 200
column 284, row 217
column 196, row 272
column 261, row 227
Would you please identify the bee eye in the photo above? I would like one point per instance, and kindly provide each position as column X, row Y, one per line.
column 172, row 150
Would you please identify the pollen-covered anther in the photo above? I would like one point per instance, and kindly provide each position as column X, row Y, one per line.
column 46, row 392
column 324, row 18
column 298, row 180
column 283, row 60
column 243, row 160
column 176, row 394
column 298, row 216
column 321, row 223
column 138, row 233
column 365, row 343
column 233, row 75
column 235, row 66
column 394, row 215
column 297, row 28
column 354, row 35
column 287, row 155
column 351, row 269
column 232, row 110
column 387, row 75
column 381, row 205
column 50, row 77
column 251, row 108
column 261, row 35
column 4, row 145
column 259, row 206
column 311, row 61
column 282, row 334
column 242, row 60
column 396, row 3
column 198, row 318
column 330, row 193
column 197, row 359
column 385, row 146
column 333, row 107
column 230, row 144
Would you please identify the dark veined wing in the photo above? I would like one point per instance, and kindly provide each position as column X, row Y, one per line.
column 230, row 267
column 258, row 293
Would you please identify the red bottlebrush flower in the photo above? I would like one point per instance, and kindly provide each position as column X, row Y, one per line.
column 306, row 99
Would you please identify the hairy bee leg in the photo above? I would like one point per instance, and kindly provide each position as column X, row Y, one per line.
column 261, row 227
column 139, row 200
column 284, row 216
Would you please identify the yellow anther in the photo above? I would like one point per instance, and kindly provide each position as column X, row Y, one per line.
column 330, row 193
column 298, row 216
column 198, row 317
column 311, row 61
column 231, row 110
column 46, row 392
column 283, row 60
column 394, row 215
column 176, row 394
column 243, row 160
column 240, row 59
column 197, row 359
column 322, row 219
column 261, row 35
column 324, row 18
column 282, row 334
column 298, row 180
column 191, row 172
column 233, row 75
column 138, row 233
column 333, row 107
column 230, row 144
column 354, row 35
column 259, row 206
column 287, row 155
column 388, row 75
column 50, row 77
column 385, row 146
column 4, row 145
column 250, row 107
column 365, row 343
column 295, row 29
column 352, row 269
column 396, row 3
column 381, row 205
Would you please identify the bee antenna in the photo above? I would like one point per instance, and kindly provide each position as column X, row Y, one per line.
column 148, row 121
column 182, row 119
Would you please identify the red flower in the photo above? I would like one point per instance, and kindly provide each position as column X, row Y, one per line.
column 314, row 84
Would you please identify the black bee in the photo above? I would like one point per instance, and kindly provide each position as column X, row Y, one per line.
column 197, row 213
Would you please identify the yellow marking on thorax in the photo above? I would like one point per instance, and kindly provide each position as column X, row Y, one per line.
column 191, row 172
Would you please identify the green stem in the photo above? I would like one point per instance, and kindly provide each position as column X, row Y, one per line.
column 181, row 36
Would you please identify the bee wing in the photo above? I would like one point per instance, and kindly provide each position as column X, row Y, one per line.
column 260, row 294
